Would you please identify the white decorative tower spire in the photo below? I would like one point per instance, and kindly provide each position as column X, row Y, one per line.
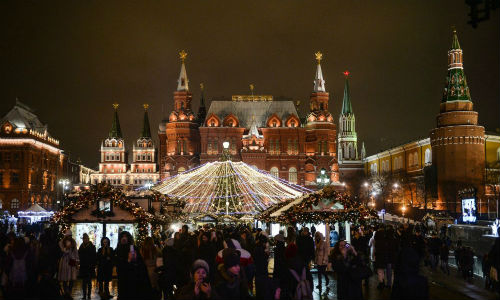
column 183, row 81
column 319, row 83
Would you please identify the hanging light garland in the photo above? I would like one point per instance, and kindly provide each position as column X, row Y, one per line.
column 89, row 198
column 308, row 209
column 230, row 188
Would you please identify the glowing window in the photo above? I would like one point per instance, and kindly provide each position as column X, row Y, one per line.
column 292, row 175
column 274, row 171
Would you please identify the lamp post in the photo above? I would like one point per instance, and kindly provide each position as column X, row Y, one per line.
column 64, row 183
column 395, row 187
column 225, row 151
column 403, row 209
column 322, row 179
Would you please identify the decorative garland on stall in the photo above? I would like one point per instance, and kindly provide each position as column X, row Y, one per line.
column 303, row 212
column 88, row 198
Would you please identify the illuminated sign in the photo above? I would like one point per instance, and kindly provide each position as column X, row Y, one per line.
column 469, row 210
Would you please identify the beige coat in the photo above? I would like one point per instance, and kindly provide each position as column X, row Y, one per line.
column 321, row 251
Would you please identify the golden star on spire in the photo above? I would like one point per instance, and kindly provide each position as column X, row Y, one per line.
column 115, row 105
column 183, row 54
column 319, row 56
column 202, row 86
column 145, row 105
column 252, row 87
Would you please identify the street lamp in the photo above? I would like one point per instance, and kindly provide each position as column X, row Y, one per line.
column 403, row 209
column 225, row 151
column 65, row 183
column 322, row 179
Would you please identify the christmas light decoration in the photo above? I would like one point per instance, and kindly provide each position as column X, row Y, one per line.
column 230, row 188
column 324, row 206
column 89, row 198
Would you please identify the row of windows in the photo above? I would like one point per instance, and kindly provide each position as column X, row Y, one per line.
column 14, row 203
column 137, row 170
column 143, row 157
column 113, row 157
column 412, row 161
column 14, row 178
column 292, row 174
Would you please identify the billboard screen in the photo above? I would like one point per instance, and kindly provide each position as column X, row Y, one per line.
column 469, row 210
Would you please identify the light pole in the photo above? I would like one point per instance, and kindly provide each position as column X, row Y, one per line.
column 322, row 179
column 403, row 209
column 65, row 183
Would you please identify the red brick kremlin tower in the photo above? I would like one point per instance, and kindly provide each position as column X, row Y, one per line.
column 321, row 132
column 458, row 141
column 179, row 138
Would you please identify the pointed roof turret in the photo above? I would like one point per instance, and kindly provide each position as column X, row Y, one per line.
column 146, row 131
column 346, row 103
column 116, row 131
column 455, row 44
column 456, row 88
column 319, row 83
column 363, row 151
column 202, row 110
column 183, row 82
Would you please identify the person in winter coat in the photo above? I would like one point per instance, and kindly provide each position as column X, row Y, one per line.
column 87, row 255
column 321, row 258
column 246, row 259
column 231, row 280
column 133, row 281
column 18, row 267
column 150, row 253
column 345, row 261
column 68, row 264
column 408, row 284
column 444, row 252
column 105, row 259
column 279, row 257
column 305, row 247
column 169, row 270
column 263, row 286
column 199, row 287
column 206, row 250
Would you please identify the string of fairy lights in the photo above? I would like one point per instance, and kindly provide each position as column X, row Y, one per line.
column 226, row 187
column 325, row 206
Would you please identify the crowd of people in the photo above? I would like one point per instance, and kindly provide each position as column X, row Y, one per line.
column 232, row 262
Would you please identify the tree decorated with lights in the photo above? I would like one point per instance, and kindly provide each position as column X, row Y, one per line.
column 227, row 187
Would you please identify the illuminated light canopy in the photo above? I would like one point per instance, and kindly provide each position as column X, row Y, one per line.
column 228, row 188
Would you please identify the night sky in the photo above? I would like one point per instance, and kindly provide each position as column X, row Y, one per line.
column 71, row 60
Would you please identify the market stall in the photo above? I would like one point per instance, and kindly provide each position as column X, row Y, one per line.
column 35, row 213
column 322, row 208
column 106, row 211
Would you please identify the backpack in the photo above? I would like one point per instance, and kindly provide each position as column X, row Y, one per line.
column 18, row 275
column 303, row 290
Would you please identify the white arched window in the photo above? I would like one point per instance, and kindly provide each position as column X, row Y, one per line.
column 14, row 203
column 292, row 175
column 274, row 171
column 498, row 154
column 428, row 156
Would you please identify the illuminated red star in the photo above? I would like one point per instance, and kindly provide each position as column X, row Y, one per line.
column 346, row 73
